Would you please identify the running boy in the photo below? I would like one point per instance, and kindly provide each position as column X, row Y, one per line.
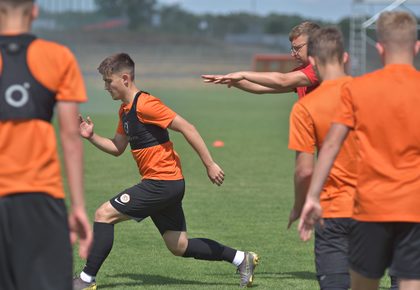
column 143, row 124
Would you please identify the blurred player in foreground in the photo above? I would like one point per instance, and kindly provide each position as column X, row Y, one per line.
column 35, row 76
column 382, row 108
column 310, row 120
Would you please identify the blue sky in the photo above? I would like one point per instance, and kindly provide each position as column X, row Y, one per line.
column 331, row 10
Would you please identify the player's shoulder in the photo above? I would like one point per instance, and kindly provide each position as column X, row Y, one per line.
column 300, row 107
column 369, row 78
column 52, row 49
column 146, row 97
column 314, row 95
column 121, row 109
column 49, row 43
column 325, row 92
column 146, row 101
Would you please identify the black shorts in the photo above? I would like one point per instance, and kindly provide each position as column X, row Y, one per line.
column 159, row 199
column 377, row 246
column 331, row 252
column 35, row 250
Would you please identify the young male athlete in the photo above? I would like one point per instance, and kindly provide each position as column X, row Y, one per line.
column 310, row 120
column 382, row 109
column 143, row 124
column 301, row 80
column 35, row 76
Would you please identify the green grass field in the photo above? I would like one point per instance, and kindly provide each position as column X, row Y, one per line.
column 248, row 212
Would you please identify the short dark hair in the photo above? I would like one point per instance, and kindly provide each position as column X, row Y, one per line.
column 327, row 45
column 304, row 28
column 117, row 63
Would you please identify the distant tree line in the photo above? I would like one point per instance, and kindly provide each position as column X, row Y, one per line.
column 149, row 15
column 146, row 14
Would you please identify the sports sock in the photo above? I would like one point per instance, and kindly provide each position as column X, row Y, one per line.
column 103, row 238
column 87, row 278
column 205, row 249
column 239, row 258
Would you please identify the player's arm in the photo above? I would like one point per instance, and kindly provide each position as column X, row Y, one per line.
column 311, row 213
column 73, row 158
column 279, row 82
column 254, row 88
column 304, row 166
column 115, row 146
column 214, row 172
column 243, row 84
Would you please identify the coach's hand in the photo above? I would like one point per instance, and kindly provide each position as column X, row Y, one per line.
column 216, row 174
column 229, row 79
column 85, row 127
column 311, row 214
column 210, row 78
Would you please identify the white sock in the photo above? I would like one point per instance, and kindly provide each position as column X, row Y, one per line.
column 87, row 278
column 239, row 257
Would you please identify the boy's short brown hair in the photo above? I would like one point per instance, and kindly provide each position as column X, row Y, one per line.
column 396, row 29
column 326, row 45
column 117, row 63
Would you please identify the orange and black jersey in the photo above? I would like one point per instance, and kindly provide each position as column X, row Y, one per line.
column 34, row 75
column 145, row 121
column 24, row 98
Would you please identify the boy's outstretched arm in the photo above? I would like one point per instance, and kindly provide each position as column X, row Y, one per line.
column 214, row 172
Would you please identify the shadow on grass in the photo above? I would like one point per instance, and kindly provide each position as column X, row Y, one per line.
column 146, row 279
column 303, row 275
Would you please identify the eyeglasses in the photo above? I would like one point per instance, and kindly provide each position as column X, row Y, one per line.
column 296, row 49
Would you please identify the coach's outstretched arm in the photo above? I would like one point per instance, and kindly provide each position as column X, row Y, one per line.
column 115, row 146
column 261, row 82
column 312, row 211
column 214, row 172
column 244, row 85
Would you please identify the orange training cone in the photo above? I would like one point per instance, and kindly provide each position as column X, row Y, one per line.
column 218, row 143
